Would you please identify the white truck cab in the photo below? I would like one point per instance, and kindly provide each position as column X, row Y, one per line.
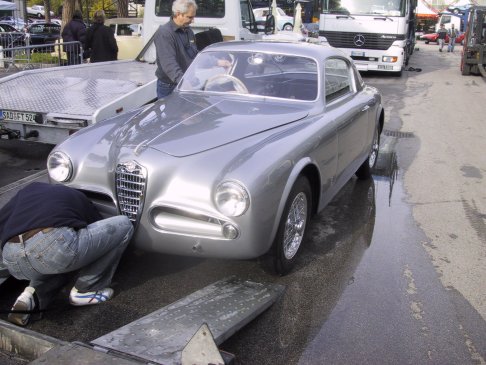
column 235, row 20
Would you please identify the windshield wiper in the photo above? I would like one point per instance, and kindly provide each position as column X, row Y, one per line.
column 344, row 16
column 384, row 17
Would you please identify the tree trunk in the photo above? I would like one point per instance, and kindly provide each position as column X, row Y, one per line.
column 47, row 10
column 122, row 8
column 67, row 11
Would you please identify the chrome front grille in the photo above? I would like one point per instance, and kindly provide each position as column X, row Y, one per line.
column 131, row 179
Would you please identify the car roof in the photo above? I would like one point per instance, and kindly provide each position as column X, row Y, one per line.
column 43, row 23
column 305, row 49
column 123, row 21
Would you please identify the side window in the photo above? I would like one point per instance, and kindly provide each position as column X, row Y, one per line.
column 338, row 79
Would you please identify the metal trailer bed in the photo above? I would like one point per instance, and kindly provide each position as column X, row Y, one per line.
column 48, row 105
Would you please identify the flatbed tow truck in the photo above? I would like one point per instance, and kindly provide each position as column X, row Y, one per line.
column 186, row 332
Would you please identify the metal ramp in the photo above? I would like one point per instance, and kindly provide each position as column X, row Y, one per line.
column 225, row 306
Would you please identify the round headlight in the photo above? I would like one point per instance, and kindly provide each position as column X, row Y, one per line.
column 232, row 199
column 59, row 166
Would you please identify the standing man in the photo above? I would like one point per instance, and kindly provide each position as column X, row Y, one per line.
column 49, row 231
column 175, row 45
column 74, row 31
column 442, row 32
column 453, row 33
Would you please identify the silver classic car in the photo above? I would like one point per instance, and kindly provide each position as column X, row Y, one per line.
column 256, row 138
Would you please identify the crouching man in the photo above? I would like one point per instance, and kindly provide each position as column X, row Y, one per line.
column 49, row 231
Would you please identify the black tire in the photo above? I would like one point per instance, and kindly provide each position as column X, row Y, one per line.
column 364, row 171
column 426, row 42
column 465, row 68
column 288, row 27
column 292, row 227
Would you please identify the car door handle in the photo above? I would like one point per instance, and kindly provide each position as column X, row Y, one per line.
column 365, row 108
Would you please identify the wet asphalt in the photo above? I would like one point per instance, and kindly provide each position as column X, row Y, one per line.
column 364, row 291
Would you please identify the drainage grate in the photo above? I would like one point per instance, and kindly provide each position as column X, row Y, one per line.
column 398, row 134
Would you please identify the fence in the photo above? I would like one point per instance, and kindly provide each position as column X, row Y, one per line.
column 40, row 56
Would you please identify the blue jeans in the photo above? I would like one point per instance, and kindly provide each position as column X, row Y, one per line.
column 452, row 42
column 49, row 259
column 164, row 89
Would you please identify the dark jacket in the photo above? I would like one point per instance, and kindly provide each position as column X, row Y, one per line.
column 75, row 30
column 176, row 48
column 101, row 43
column 42, row 205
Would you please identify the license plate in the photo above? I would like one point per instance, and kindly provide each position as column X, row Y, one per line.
column 385, row 67
column 357, row 54
column 17, row 116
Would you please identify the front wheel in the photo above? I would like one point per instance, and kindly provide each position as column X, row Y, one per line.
column 288, row 27
column 292, row 227
column 465, row 68
column 364, row 171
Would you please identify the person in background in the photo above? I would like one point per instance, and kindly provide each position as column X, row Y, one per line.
column 100, row 40
column 442, row 32
column 48, row 232
column 453, row 33
column 74, row 31
column 175, row 46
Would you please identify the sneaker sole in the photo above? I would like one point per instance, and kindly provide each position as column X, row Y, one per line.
column 19, row 318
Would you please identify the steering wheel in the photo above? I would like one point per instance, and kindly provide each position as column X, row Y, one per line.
column 218, row 80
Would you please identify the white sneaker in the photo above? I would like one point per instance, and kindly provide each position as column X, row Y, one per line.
column 24, row 303
column 91, row 297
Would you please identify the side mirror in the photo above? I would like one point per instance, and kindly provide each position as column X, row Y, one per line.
column 270, row 24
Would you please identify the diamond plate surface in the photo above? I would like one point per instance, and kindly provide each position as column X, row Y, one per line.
column 224, row 306
column 73, row 90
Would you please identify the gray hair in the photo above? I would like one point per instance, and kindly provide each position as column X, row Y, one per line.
column 182, row 6
column 99, row 17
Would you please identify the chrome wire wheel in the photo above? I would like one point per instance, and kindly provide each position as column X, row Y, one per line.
column 374, row 150
column 295, row 226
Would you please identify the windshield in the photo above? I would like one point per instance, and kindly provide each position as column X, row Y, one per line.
column 205, row 9
column 365, row 7
column 259, row 74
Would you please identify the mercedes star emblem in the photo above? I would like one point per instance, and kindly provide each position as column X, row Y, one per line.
column 359, row 40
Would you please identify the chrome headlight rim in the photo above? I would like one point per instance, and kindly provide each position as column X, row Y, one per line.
column 231, row 198
column 59, row 166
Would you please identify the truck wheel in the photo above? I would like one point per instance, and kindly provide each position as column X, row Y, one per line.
column 364, row 171
column 465, row 68
column 426, row 42
column 292, row 227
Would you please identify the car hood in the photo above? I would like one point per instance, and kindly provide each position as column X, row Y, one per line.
column 184, row 125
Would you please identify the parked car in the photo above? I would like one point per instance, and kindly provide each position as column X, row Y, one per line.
column 10, row 38
column 434, row 37
column 128, row 35
column 17, row 23
column 282, row 21
column 43, row 33
column 459, row 9
column 234, row 163
column 37, row 11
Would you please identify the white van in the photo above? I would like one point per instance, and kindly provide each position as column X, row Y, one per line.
column 128, row 35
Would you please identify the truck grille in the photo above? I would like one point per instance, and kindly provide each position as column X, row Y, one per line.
column 361, row 40
column 131, row 181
